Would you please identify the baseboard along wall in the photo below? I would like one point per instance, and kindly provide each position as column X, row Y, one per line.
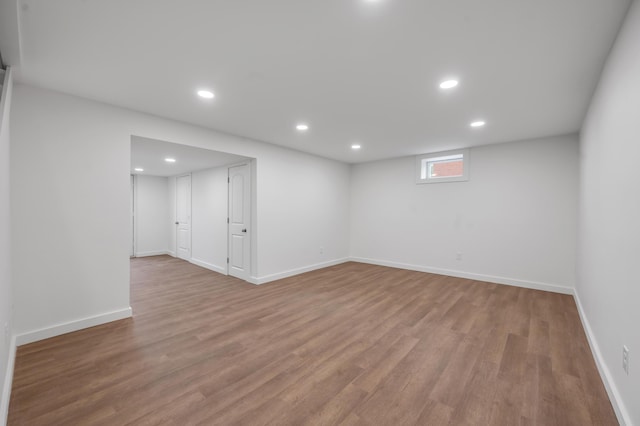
column 210, row 266
column 8, row 381
column 555, row 288
column 68, row 327
column 612, row 390
column 292, row 272
column 153, row 253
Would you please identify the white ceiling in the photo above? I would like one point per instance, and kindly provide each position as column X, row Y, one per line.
column 149, row 154
column 354, row 70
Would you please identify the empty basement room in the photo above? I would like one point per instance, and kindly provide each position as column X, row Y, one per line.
column 337, row 212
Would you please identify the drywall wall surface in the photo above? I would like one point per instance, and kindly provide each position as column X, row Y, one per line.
column 72, row 210
column 6, row 293
column 151, row 215
column 303, row 208
column 608, row 286
column 513, row 221
column 209, row 218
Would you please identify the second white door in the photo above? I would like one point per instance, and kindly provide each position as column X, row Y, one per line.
column 183, row 217
column 239, row 222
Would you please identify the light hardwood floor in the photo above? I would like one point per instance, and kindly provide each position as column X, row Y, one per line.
column 353, row 344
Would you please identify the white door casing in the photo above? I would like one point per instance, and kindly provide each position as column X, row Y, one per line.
column 133, row 216
column 183, row 217
column 239, row 247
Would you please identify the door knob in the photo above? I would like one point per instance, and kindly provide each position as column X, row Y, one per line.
column 244, row 230
column 177, row 223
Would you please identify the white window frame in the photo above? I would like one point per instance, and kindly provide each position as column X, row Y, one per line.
column 422, row 175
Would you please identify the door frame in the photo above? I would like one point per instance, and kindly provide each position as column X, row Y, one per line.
column 134, row 214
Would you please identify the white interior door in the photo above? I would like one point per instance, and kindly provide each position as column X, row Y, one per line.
column 239, row 221
column 183, row 217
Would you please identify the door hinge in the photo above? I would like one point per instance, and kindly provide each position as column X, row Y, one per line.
column 227, row 260
column 228, row 180
column 227, row 220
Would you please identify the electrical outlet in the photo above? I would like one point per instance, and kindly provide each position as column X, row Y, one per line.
column 625, row 359
column 321, row 250
column 459, row 256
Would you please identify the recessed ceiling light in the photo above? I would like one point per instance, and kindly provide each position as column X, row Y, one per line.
column 355, row 146
column 448, row 84
column 207, row 94
column 139, row 169
column 170, row 160
column 478, row 123
column 302, row 127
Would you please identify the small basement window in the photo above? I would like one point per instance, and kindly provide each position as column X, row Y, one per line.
column 450, row 166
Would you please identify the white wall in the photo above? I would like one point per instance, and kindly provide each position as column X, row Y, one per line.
column 303, row 206
column 209, row 218
column 70, row 205
column 152, row 215
column 513, row 221
column 7, row 348
column 608, row 286
column 70, row 197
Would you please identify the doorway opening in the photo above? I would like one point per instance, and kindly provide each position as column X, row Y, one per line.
column 197, row 208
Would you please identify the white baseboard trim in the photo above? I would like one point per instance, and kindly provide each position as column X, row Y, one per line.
column 8, row 382
column 210, row 266
column 286, row 274
column 614, row 395
column 555, row 288
column 68, row 327
column 171, row 253
column 152, row 253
